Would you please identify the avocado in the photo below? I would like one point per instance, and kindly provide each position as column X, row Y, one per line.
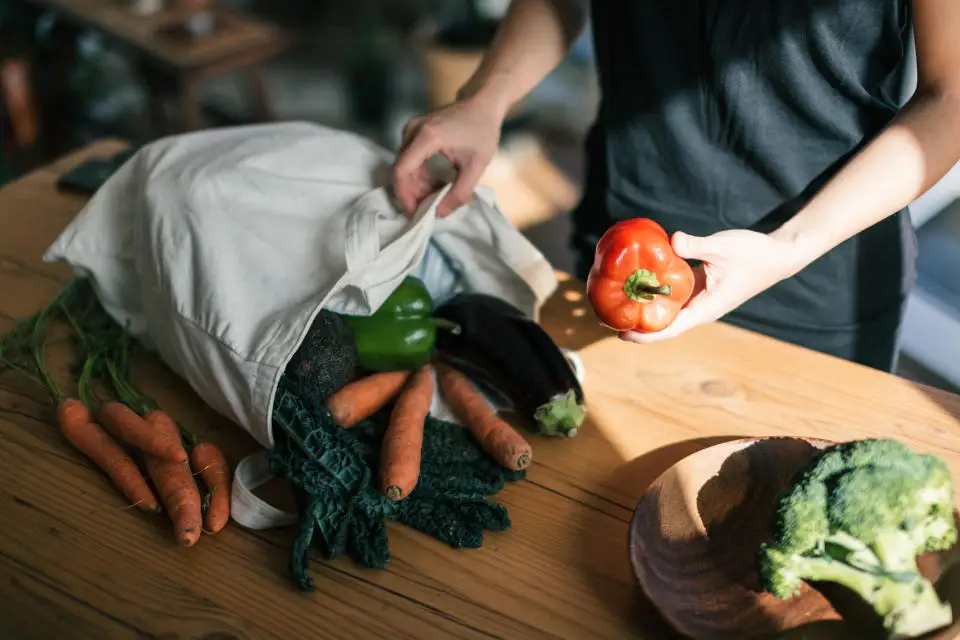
column 326, row 360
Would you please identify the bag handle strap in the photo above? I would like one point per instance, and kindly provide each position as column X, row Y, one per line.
column 249, row 510
column 361, row 233
column 361, row 239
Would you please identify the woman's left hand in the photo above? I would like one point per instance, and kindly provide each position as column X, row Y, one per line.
column 736, row 265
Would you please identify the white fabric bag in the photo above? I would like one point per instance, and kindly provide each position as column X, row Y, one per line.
column 220, row 247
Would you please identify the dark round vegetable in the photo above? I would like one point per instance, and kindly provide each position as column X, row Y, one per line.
column 327, row 359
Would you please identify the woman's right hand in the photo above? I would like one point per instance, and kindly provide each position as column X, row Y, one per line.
column 466, row 132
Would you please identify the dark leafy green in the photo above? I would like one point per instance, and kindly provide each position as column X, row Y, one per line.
column 334, row 471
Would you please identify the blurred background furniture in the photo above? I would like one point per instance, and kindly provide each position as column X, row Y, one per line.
column 21, row 137
column 177, row 48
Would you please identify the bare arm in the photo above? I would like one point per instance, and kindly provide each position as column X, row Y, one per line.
column 914, row 152
column 533, row 38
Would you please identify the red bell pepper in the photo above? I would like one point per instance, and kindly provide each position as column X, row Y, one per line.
column 637, row 282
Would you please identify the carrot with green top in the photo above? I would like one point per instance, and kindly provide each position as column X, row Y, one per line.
column 402, row 446
column 362, row 398
column 24, row 349
column 501, row 441
column 76, row 424
column 124, row 423
column 136, row 418
column 210, row 464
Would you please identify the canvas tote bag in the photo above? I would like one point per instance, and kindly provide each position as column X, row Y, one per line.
column 220, row 247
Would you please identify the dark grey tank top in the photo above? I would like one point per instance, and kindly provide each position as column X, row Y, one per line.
column 719, row 114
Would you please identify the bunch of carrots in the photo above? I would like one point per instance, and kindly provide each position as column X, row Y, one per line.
column 111, row 433
column 400, row 453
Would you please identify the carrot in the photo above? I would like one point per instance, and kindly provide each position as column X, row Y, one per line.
column 403, row 440
column 179, row 495
column 76, row 424
column 495, row 436
column 362, row 398
column 124, row 423
column 161, row 422
column 209, row 463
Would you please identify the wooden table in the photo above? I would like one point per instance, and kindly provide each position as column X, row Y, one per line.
column 172, row 65
column 74, row 564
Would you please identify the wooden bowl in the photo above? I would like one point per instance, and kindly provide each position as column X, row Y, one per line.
column 694, row 537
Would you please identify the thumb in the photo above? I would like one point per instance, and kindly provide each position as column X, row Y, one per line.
column 702, row 308
column 705, row 248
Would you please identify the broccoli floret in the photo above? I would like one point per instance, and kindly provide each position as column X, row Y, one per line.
column 859, row 515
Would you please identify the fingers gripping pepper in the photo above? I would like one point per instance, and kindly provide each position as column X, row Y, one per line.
column 637, row 282
column 400, row 334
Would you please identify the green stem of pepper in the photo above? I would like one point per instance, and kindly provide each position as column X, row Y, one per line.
column 643, row 285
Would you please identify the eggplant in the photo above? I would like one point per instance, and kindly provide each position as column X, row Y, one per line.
column 505, row 352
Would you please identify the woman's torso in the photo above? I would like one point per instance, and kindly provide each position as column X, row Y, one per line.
column 721, row 114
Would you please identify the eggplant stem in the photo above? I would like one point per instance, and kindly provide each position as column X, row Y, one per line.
column 643, row 285
column 446, row 325
column 561, row 416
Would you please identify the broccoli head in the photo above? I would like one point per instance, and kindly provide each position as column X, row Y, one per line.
column 859, row 515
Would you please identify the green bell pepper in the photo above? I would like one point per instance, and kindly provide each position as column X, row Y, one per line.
column 400, row 335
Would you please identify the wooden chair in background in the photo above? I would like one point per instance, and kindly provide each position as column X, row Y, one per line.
column 21, row 131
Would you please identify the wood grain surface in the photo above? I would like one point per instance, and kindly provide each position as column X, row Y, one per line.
column 75, row 564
